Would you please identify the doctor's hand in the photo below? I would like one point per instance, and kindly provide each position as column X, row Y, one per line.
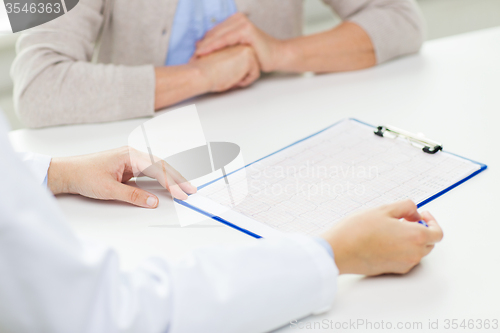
column 103, row 176
column 376, row 241
column 239, row 30
column 231, row 67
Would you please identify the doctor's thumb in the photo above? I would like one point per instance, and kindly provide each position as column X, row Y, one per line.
column 133, row 195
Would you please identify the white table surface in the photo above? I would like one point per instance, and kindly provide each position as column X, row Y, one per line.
column 450, row 92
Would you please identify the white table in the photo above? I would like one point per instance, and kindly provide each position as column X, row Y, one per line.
column 450, row 91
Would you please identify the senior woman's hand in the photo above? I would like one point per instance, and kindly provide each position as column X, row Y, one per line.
column 104, row 175
column 239, row 30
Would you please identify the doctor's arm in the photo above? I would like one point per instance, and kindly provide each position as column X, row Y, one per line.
column 38, row 164
column 52, row 281
column 372, row 32
column 55, row 282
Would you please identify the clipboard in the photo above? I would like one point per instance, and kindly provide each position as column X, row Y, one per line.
column 438, row 172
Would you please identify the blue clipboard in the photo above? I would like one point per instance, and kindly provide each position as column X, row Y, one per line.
column 482, row 167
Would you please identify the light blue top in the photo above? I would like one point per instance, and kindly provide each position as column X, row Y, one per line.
column 325, row 245
column 193, row 18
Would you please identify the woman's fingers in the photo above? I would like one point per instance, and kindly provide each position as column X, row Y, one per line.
column 222, row 27
column 216, row 43
column 229, row 24
column 252, row 75
column 228, row 33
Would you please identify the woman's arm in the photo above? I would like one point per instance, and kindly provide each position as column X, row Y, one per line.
column 395, row 27
column 219, row 71
column 373, row 31
column 57, row 83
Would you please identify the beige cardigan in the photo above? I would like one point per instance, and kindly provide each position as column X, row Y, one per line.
column 96, row 63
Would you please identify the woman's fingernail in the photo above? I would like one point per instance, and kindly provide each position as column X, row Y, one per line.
column 152, row 202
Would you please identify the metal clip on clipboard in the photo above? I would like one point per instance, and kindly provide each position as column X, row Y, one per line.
column 427, row 145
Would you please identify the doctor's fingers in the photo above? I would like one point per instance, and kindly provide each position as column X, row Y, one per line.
column 160, row 170
column 427, row 249
column 136, row 196
column 171, row 179
column 434, row 231
column 405, row 209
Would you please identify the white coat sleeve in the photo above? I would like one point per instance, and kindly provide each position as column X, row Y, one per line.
column 38, row 165
column 52, row 281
